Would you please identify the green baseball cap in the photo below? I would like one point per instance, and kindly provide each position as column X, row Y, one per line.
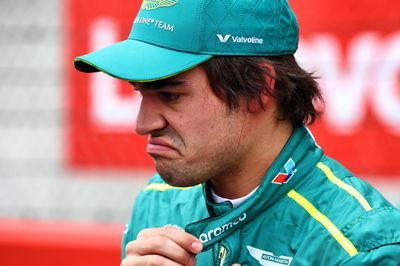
column 171, row 36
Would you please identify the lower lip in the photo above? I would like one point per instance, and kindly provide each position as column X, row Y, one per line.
column 154, row 148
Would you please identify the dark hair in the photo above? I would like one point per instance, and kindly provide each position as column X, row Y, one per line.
column 296, row 91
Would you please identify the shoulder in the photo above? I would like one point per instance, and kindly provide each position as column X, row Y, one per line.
column 157, row 188
column 160, row 197
column 347, row 211
column 388, row 255
column 160, row 204
column 333, row 189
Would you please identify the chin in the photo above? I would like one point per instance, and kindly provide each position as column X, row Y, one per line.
column 178, row 181
column 179, row 175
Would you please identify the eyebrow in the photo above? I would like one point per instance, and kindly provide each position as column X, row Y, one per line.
column 156, row 85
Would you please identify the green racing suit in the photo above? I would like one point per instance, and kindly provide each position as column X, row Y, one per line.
column 308, row 210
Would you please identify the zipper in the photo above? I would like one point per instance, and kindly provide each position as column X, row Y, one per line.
column 222, row 255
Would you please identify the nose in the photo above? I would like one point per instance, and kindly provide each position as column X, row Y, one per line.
column 149, row 118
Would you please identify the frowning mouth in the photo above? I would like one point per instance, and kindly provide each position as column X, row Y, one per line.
column 159, row 146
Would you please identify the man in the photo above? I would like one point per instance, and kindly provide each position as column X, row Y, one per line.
column 240, row 177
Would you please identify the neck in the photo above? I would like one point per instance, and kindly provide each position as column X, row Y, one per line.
column 264, row 148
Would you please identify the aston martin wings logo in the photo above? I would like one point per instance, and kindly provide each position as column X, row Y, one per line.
column 154, row 4
column 266, row 258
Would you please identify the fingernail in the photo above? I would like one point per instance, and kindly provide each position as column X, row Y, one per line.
column 192, row 261
column 197, row 246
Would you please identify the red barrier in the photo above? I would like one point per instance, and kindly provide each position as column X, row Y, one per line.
column 45, row 243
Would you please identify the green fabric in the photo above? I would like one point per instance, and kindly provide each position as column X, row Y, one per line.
column 270, row 227
column 388, row 255
column 171, row 36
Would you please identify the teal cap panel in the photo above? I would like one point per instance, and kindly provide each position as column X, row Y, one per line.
column 220, row 27
column 173, row 26
column 248, row 27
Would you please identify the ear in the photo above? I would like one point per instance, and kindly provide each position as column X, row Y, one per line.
column 257, row 105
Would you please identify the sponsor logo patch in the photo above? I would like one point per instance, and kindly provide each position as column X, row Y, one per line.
column 154, row 4
column 266, row 258
column 205, row 237
column 239, row 39
column 282, row 178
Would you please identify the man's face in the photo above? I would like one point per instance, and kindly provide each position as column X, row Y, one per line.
column 193, row 136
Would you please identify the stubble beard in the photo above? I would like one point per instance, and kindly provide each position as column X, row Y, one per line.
column 181, row 174
column 207, row 162
column 185, row 172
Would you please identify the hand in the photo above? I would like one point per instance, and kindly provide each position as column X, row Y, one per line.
column 162, row 246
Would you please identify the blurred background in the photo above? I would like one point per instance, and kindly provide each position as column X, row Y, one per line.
column 70, row 164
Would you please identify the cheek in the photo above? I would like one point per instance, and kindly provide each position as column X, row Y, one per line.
column 247, row 124
column 246, row 131
column 226, row 131
column 203, row 133
column 194, row 129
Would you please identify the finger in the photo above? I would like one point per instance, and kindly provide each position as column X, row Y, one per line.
column 159, row 245
column 150, row 260
column 183, row 239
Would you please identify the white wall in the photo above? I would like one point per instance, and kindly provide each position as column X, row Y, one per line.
column 33, row 181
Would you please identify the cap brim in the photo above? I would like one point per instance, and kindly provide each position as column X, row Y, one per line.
column 134, row 60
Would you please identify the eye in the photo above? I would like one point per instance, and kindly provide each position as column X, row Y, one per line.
column 169, row 97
